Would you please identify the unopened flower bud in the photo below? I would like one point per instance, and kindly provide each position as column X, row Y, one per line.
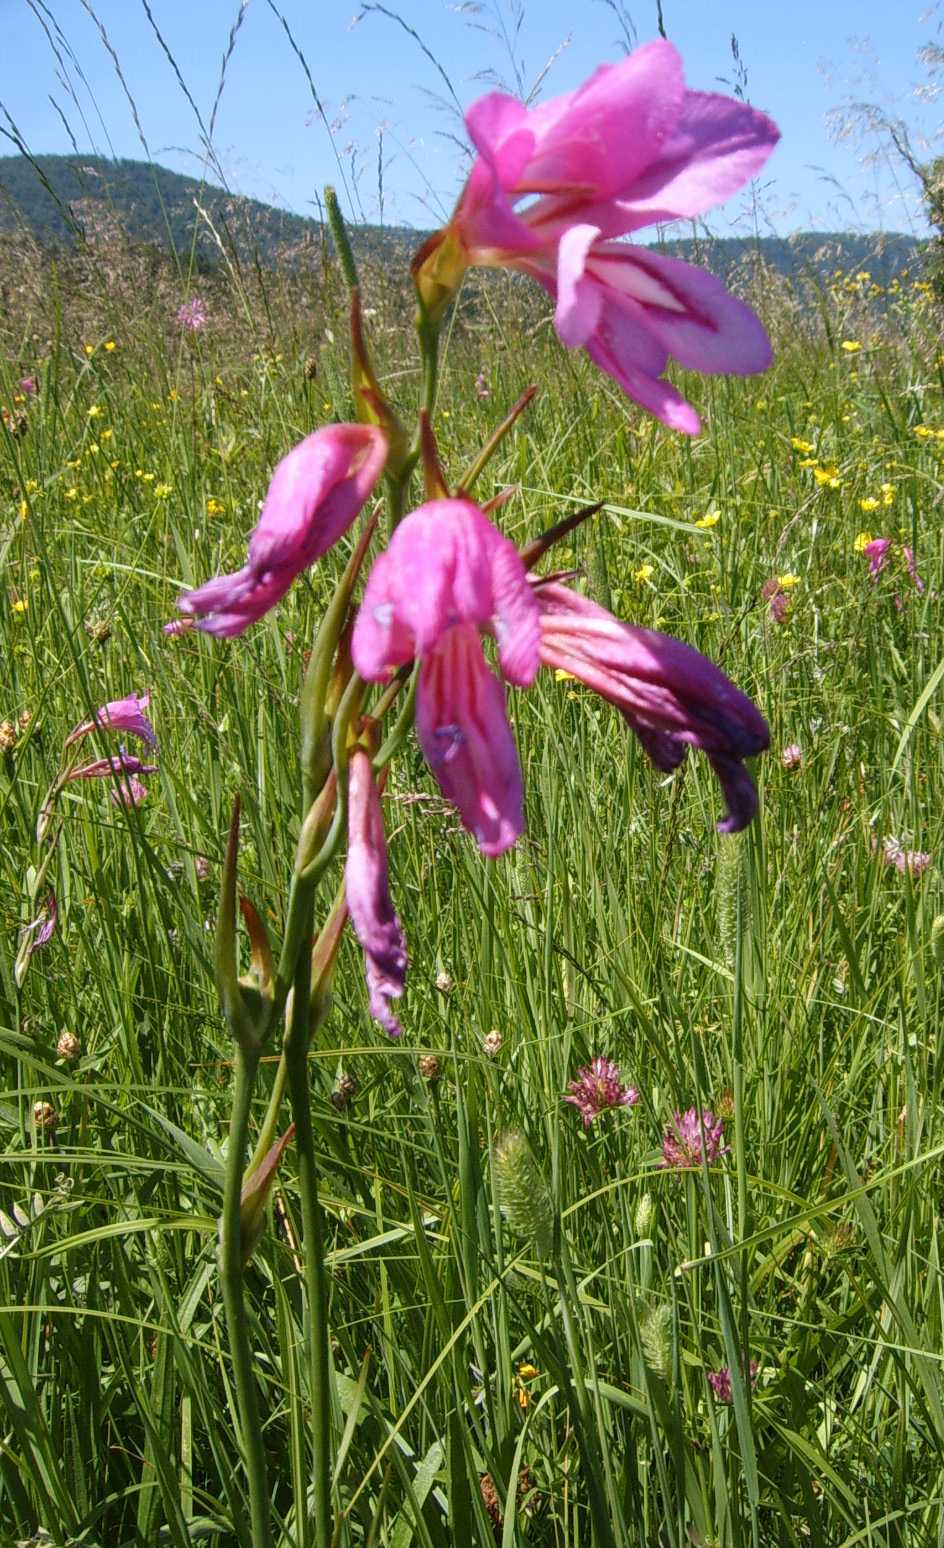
column 491, row 1043
column 430, row 1067
column 7, row 736
column 45, row 1116
column 68, row 1046
column 345, row 1088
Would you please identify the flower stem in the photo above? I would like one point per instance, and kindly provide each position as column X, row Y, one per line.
column 231, row 1273
column 316, row 1284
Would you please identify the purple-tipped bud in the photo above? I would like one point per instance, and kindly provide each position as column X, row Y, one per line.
column 368, row 894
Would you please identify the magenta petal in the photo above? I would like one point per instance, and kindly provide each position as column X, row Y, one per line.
column 517, row 623
column 716, row 147
column 670, row 694
column 579, row 298
column 125, row 715
column 601, row 137
column 368, row 894
column 499, row 129
column 688, row 310
column 314, row 495
column 467, row 741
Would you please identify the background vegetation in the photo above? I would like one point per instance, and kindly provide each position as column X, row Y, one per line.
column 789, row 979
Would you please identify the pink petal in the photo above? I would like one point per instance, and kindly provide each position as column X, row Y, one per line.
column 716, row 147
column 517, row 623
column 314, row 495
column 125, row 715
column 368, row 894
column 687, row 309
column 579, row 297
column 602, row 136
column 465, row 736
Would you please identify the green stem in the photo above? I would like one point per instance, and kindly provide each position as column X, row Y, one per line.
column 231, row 1271
column 316, row 1283
column 567, row 1291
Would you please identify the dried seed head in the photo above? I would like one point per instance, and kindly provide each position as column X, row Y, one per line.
column 8, row 736
column 430, row 1067
column 522, row 1191
column 444, row 981
column 68, row 1046
column 98, row 630
column 345, row 1088
column 25, row 719
column 491, row 1043
column 311, row 368
column 45, row 1116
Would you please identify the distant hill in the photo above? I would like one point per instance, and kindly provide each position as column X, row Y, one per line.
column 62, row 199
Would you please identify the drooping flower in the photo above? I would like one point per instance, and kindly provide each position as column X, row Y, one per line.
column 43, row 927
column 693, row 1139
column 629, row 148
column 720, row 1381
column 315, row 493
column 671, row 696
column 125, row 714
column 367, row 886
column 883, row 551
column 128, row 789
column 447, row 576
column 914, row 861
column 597, row 1088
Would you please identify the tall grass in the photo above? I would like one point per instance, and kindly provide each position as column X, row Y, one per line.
column 788, row 978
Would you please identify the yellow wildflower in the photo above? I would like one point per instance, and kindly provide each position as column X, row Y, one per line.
column 800, row 445
column 95, row 411
column 161, row 491
column 869, row 504
column 828, row 477
column 20, row 606
column 807, row 462
column 106, row 435
column 31, row 486
column 787, row 582
column 110, row 345
column 173, row 395
column 711, row 520
column 24, row 510
column 93, row 446
column 215, row 507
column 851, row 346
column 923, row 433
column 561, row 676
column 863, row 539
column 90, row 349
column 888, row 494
column 643, row 574
column 72, row 494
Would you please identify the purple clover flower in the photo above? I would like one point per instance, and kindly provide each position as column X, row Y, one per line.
column 597, row 1088
column 192, row 315
column 683, row 1143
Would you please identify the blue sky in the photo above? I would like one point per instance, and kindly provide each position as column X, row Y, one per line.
column 383, row 100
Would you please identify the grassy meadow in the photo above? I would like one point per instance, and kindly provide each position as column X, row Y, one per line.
column 788, row 979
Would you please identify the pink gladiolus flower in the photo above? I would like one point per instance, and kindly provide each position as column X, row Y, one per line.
column 671, row 696
column 315, row 494
column 129, row 790
column 778, row 600
column 447, row 576
column 597, row 1088
column 368, row 894
column 877, row 554
column 629, row 148
column 119, row 715
column 683, row 1143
